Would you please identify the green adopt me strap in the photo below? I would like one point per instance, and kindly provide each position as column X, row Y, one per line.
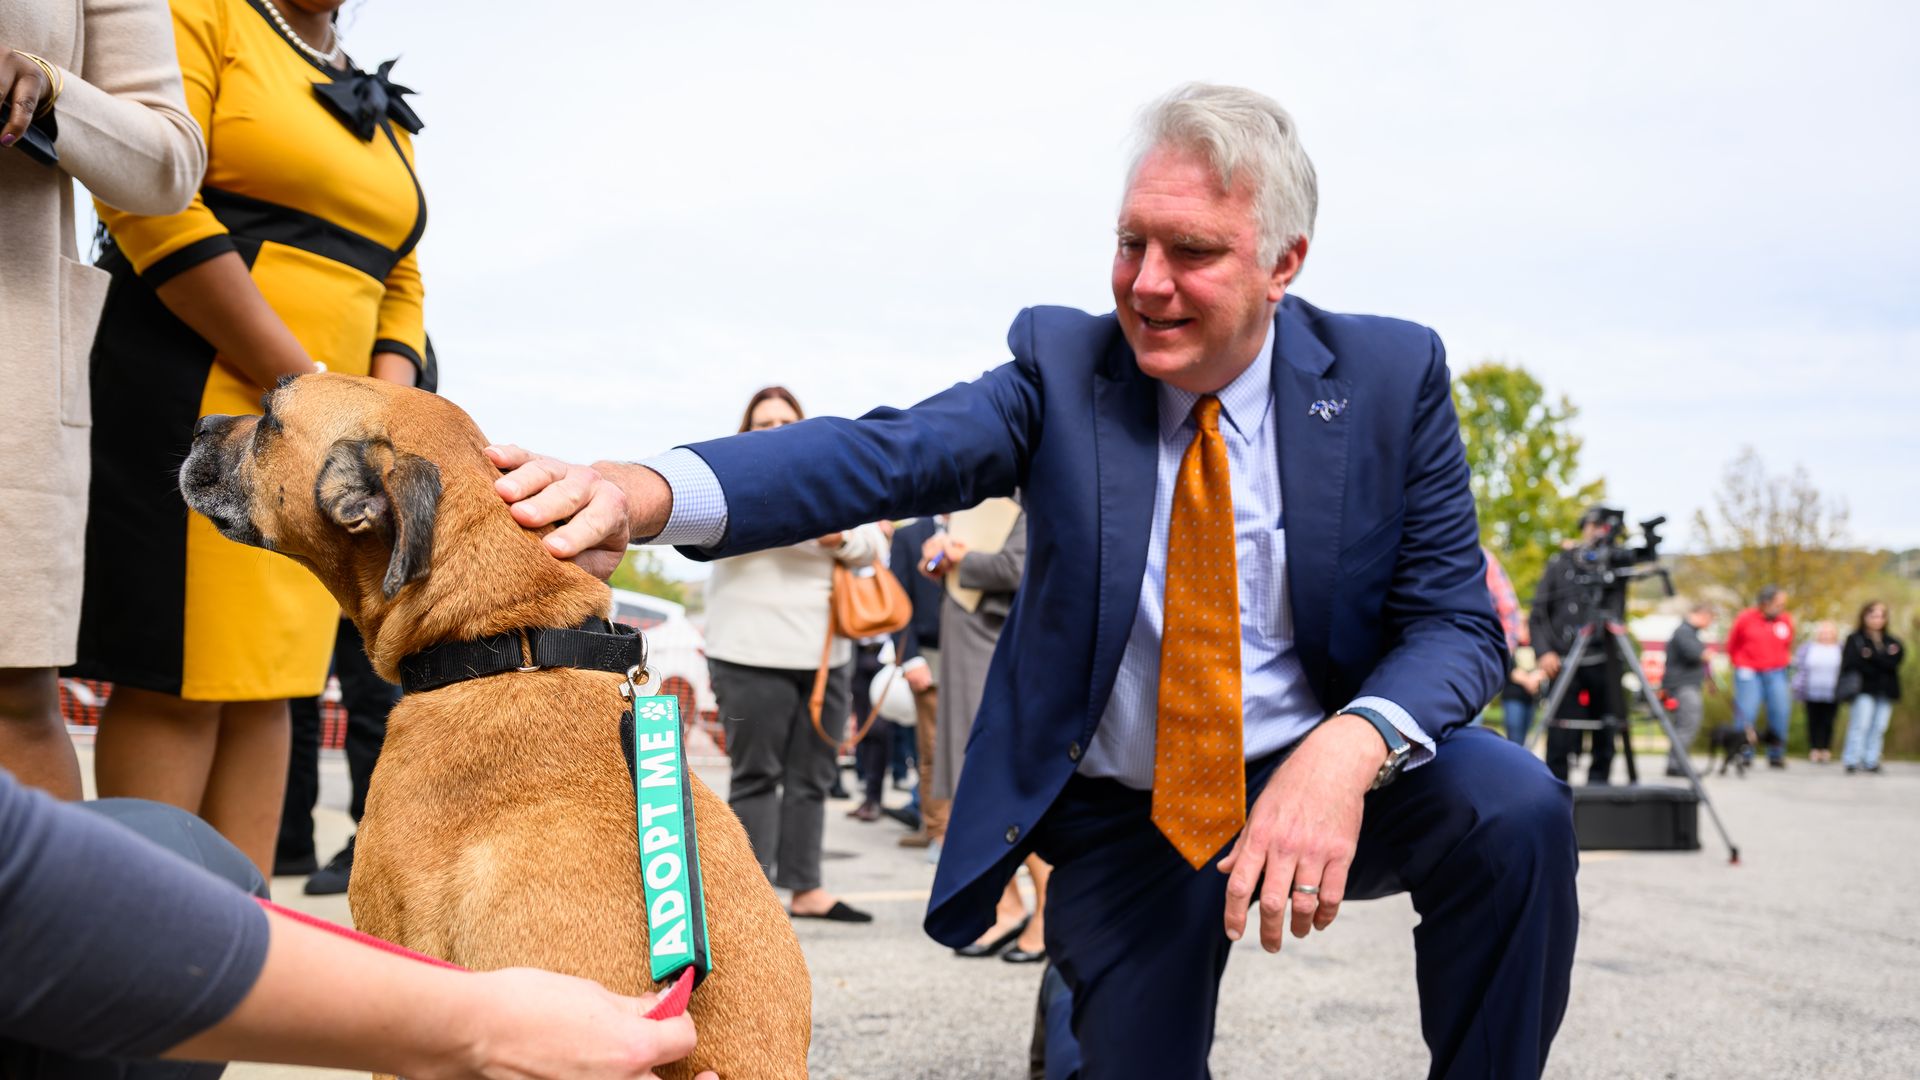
column 669, row 849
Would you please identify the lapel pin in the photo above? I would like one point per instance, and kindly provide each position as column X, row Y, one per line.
column 1327, row 410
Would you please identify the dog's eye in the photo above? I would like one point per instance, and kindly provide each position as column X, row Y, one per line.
column 268, row 421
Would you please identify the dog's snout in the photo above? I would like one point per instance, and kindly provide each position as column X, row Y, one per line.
column 211, row 425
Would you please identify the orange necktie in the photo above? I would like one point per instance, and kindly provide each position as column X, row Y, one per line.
column 1199, row 773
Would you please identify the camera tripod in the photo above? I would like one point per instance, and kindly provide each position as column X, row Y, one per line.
column 1612, row 633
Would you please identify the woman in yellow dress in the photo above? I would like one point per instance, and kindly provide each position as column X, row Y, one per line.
column 298, row 252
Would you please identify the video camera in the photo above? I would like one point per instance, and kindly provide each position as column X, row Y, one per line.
column 1609, row 565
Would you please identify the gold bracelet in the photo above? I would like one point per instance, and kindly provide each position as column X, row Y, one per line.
column 56, row 81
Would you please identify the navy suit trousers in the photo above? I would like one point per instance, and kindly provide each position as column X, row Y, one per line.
column 1482, row 837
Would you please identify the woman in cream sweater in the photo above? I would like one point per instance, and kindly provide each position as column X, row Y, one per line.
column 100, row 85
column 767, row 619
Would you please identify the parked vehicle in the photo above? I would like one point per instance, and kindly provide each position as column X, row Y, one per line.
column 676, row 654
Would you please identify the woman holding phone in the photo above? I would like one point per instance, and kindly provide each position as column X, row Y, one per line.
column 89, row 91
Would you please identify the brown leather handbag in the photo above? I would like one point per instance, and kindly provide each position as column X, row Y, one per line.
column 863, row 605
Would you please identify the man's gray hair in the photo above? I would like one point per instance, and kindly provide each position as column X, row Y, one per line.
column 1242, row 132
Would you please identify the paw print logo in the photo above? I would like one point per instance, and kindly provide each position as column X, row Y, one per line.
column 653, row 711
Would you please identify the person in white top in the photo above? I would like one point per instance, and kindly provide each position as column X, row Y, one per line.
column 767, row 616
column 1816, row 670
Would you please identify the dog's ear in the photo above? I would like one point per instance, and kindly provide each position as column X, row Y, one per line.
column 365, row 485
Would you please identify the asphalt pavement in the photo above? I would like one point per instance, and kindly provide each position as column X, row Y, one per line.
column 1802, row 961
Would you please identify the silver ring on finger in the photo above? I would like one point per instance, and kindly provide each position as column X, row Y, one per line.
column 1306, row 890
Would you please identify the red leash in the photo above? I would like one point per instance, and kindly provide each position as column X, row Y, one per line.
column 670, row 1005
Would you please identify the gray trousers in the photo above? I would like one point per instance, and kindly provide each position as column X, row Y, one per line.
column 781, row 767
column 1686, row 717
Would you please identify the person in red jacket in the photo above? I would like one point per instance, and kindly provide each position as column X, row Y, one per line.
column 1760, row 645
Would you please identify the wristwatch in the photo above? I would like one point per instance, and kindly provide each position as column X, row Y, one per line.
column 1398, row 748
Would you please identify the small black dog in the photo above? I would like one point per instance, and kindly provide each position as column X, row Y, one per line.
column 1734, row 746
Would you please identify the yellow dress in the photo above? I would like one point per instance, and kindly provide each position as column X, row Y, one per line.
column 327, row 221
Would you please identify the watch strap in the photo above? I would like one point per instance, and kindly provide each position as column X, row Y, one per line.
column 1399, row 747
column 1394, row 740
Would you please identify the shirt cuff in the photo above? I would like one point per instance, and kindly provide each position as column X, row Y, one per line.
column 699, row 516
column 1421, row 751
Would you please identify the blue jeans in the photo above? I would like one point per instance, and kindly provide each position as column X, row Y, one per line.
column 1517, row 714
column 1752, row 689
column 1866, row 730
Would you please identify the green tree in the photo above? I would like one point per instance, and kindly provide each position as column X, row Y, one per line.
column 1523, row 457
column 640, row 571
column 1778, row 530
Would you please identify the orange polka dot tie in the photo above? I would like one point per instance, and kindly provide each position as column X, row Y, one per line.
column 1199, row 772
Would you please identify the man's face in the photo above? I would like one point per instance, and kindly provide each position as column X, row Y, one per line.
column 1776, row 605
column 1194, row 299
column 1593, row 532
column 1700, row 619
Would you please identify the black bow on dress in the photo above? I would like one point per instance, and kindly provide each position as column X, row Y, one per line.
column 359, row 100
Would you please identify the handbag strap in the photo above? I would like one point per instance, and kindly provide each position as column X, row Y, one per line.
column 816, row 702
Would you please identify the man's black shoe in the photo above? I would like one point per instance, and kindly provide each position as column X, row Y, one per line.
column 331, row 880
column 294, row 865
column 903, row 815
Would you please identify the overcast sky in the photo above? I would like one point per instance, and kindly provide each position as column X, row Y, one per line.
column 1700, row 222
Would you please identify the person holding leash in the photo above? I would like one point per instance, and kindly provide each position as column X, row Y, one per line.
column 117, row 949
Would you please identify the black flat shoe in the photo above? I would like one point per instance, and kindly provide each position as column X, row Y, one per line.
column 988, row 948
column 841, row 911
column 1022, row 956
column 333, row 878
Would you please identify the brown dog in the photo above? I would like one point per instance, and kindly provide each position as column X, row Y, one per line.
column 500, row 829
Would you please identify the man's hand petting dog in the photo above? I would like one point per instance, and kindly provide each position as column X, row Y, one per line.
column 1302, row 831
column 598, row 509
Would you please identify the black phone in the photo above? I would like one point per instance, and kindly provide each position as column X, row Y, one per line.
column 37, row 143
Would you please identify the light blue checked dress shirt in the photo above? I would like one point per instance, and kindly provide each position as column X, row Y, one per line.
column 1279, row 706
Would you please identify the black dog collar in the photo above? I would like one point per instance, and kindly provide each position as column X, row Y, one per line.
column 595, row 645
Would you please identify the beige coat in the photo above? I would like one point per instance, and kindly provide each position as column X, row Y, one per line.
column 124, row 132
column 770, row 609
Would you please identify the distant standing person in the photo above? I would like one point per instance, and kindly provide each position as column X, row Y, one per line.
column 918, row 651
column 1816, row 680
column 1562, row 605
column 1872, row 659
column 981, row 584
column 1685, row 679
column 1760, row 646
column 1523, row 678
column 767, row 617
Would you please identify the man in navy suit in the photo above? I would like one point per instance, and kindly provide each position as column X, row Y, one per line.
column 1366, row 640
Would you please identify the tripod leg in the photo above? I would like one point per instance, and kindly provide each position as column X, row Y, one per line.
column 1624, row 722
column 1632, row 660
column 1550, row 709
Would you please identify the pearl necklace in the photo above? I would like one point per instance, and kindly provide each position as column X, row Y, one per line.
column 330, row 58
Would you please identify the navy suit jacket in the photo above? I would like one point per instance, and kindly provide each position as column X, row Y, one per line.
column 1386, row 576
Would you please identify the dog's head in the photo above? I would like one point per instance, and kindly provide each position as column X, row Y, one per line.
column 375, row 487
column 329, row 473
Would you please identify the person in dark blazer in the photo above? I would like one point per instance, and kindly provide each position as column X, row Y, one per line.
column 1870, row 681
column 917, row 648
column 1181, row 743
